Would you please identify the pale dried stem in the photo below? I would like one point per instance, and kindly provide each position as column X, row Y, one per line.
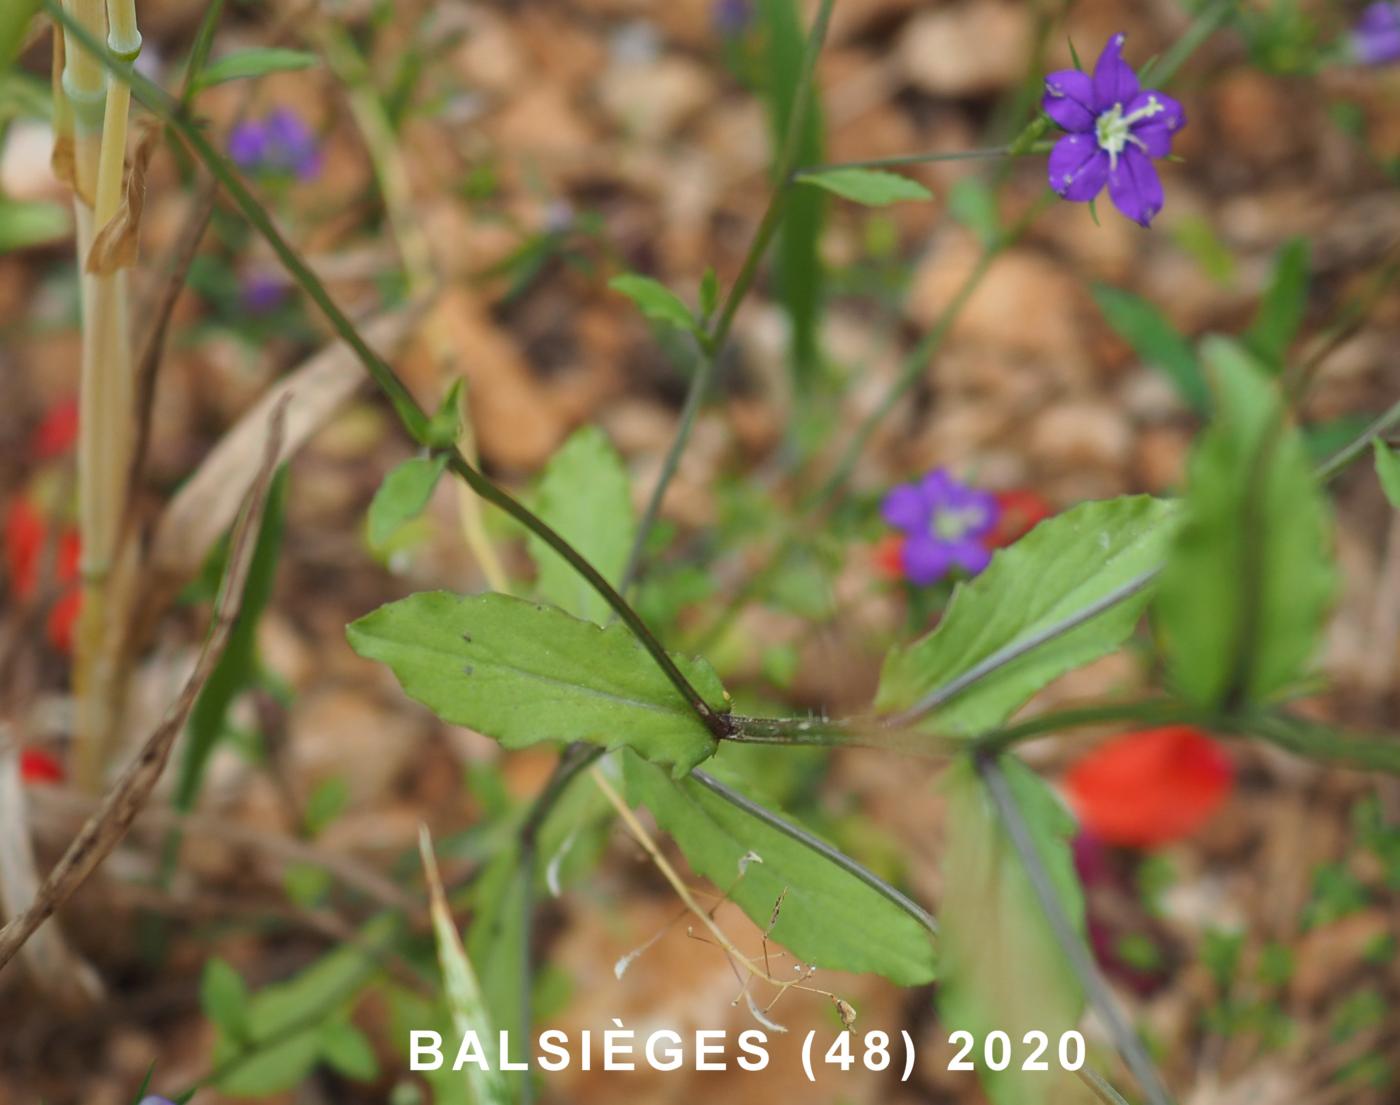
column 750, row 966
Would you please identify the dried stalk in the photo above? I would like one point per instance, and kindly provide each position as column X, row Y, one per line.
column 106, row 828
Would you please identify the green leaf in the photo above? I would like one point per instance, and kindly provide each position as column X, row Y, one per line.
column 709, row 293
column 523, row 673
column 14, row 23
column 1249, row 578
column 585, row 496
column 445, row 426
column 828, row 917
column 1283, row 306
column 31, row 223
column 655, row 300
column 798, row 271
column 1155, row 340
column 462, row 992
column 872, row 187
column 1061, row 568
column 255, row 62
column 402, row 497
column 1388, row 469
column 237, row 669
column 224, row 998
column 278, row 1064
column 345, row 1049
column 1000, row 965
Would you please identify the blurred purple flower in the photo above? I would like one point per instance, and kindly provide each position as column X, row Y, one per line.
column 262, row 293
column 1375, row 40
column 731, row 17
column 280, row 143
column 1116, row 129
column 156, row 1099
column 945, row 525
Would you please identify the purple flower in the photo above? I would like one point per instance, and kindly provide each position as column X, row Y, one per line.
column 262, row 293
column 731, row 17
column 1375, row 40
column 1116, row 129
column 278, row 144
column 945, row 525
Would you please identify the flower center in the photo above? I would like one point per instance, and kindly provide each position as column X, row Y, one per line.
column 951, row 525
column 1114, row 130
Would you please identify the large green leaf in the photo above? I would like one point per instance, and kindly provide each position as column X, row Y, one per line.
column 1249, row 579
column 522, row 672
column 585, row 497
column 1000, row 965
column 828, row 918
column 1155, row 340
column 1003, row 622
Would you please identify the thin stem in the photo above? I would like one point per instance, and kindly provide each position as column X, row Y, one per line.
column 908, row 159
column 1129, row 1046
column 713, row 341
column 1338, row 461
column 819, row 846
column 413, row 417
column 1162, row 70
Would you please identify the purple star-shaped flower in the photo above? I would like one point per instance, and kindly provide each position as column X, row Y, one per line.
column 945, row 525
column 1375, row 40
column 1116, row 129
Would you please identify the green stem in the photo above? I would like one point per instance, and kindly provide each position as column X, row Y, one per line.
column 907, row 159
column 1129, row 1046
column 713, row 341
column 413, row 417
column 1338, row 461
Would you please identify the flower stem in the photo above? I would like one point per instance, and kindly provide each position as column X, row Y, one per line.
column 910, row 159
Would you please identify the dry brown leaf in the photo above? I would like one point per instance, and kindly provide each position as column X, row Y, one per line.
column 116, row 244
column 208, row 502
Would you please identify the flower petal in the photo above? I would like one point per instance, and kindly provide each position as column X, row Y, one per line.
column 1150, row 787
column 906, row 508
column 1155, row 130
column 926, row 560
column 969, row 554
column 1114, row 79
column 1078, row 169
column 1135, row 187
column 1069, row 99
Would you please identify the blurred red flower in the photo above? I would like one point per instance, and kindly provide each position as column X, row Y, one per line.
column 26, row 532
column 56, row 434
column 1149, row 788
column 889, row 556
column 1021, row 511
column 39, row 767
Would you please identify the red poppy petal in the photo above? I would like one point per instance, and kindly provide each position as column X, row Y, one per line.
column 62, row 618
column 24, row 541
column 889, row 556
column 36, row 766
column 56, row 434
column 1020, row 511
column 1148, row 788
